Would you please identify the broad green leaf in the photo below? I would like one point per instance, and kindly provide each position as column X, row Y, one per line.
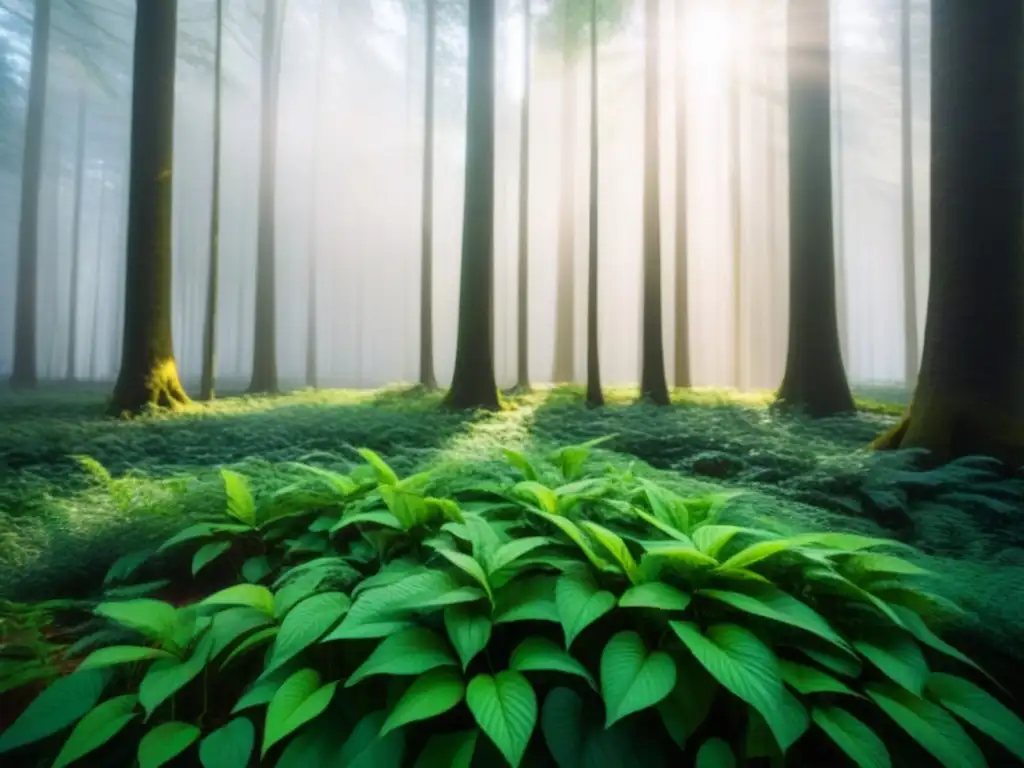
column 256, row 638
column 578, row 537
column 616, row 547
column 393, row 601
column 872, row 564
column 241, row 505
column 166, row 677
column 385, row 474
column 253, row 595
column 469, row 566
column 228, row 625
column 409, row 652
column 929, row 724
column 98, row 727
column 230, row 746
column 304, row 624
column 899, row 658
column 711, row 539
column 848, row 542
column 121, row 654
column 299, row 699
column 674, row 556
column 207, row 553
column 655, row 595
column 664, row 527
column 539, row 654
column 580, row 603
column 364, row 748
column 631, row 678
column 520, row 462
column 155, row 619
column 715, row 753
column 256, row 568
column 380, row 517
column 505, row 708
column 60, row 704
column 125, row 566
column 840, row 663
column 923, row 634
column 860, row 743
column 529, row 599
column 165, row 742
column 684, row 710
column 316, row 744
column 667, row 506
column 458, row 596
column 973, row 705
column 808, row 680
column 203, row 531
column 509, row 553
column 469, row 631
column 430, row 695
column 448, row 750
column 576, row 737
column 757, row 552
column 544, row 496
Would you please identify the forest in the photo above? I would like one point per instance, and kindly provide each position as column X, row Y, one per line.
column 555, row 383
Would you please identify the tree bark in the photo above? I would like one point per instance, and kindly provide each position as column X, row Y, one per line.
column 969, row 398
column 815, row 379
column 594, row 395
column 523, row 283
column 682, row 377
column 76, row 241
column 911, row 350
column 149, row 375
column 427, row 378
column 24, row 373
column 473, row 383
column 312, row 373
column 653, row 386
column 209, row 370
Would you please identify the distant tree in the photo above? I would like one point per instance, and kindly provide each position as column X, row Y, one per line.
column 427, row 378
column 312, row 368
column 815, row 379
column 594, row 394
column 969, row 397
column 911, row 349
column 76, row 238
column 736, row 193
column 682, row 376
column 473, row 383
column 523, row 286
column 148, row 373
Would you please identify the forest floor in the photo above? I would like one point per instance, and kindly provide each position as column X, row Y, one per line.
column 63, row 523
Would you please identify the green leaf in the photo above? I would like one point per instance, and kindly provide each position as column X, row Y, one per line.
column 253, row 595
column 520, row 462
column 631, row 678
column 986, row 713
column 840, row 663
column 930, row 726
column 873, row 565
column 580, row 603
column 899, row 658
column 544, row 496
column 469, row 566
column 664, row 527
column 576, row 738
column 208, row 553
column 299, row 699
column 394, row 600
column 808, row 680
column 165, row 742
column 121, row 654
column 667, row 506
column 316, row 744
column 203, row 531
column 230, row 746
column 155, row 619
column 860, row 743
column 376, row 516
column 430, row 695
column 256, row 568
column 469, row 631
column 578, row 537
column 409, row 652
column 241, row 505
column 166, row 677
column 505, row 708
column 228, row 625
column 364, row 749
column 684, row 710
column 616, row 547
column 306, row 623
column 511, row 551
column 60, row 704
column 711, row 539
column 385, row 474
column 757, row 552
column 539, row 654
column 256, row 638
column 530, row 599
column 715, row 753
column 923, row 634
column 448, row 750
column 675, row 556
column 655, row 595
column 262, row 690
column 97, row 728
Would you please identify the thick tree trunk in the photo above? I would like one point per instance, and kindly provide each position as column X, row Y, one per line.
column 427, row 378
column 911, row 350
column 815, row 379
column 76, row 241
column 264, row 357
column 523, row 283
column 736, row 206
column 970, row 393
column 839, row 225
column 149, row 375
column 473, row 380
column 594, row 395
column 209, row 370
column 24, row 373
column 682, row 377
column 653, row 386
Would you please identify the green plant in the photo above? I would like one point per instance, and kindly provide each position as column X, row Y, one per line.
column 572, row 615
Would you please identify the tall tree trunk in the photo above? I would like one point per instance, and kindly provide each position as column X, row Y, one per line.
column 911, row 350
column 473, row 383
column 427, row 378
column 209, row 370
column 682, row 377
column 736, row 203
column 24, row 373
column 653, row 386
column 148, row 372
column 523, row 282
column 815, row 379
column 76, row 240
column 313, row 215
column 594, row 395
column 969, row 397
column 100, row 277
column 121, row 254
column 264, row 356
column 843, row 318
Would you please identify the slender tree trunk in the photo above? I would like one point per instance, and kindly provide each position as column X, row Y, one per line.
column 594, row 395
column 148, row 372
column 313, row 215
column 969, row 398
column 911, row 349
column 815, row 379
column 264, row 358
column 209, row 370
column 76, row 240
column 653, row 386
column 24, row 373
column 427, row 378
column 843, row 318
column 473, row 383
column 682, row 376
column 121, row 253
column 736, row 206
column 523, row 282
column 100, row 277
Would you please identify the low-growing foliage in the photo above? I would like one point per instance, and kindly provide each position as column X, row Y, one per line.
column 574, row 616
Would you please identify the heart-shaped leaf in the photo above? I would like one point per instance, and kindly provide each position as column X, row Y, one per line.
column 304, row 624
column 165, row 742
column 580, row 602
column 409, row 652
column 97, row 728
column 229, row 746
column 469, row 631
column 859, row 742
column 505, row 708
column 448, row 750
column 299, row 699
column 539, row 654
column 655, row 595
column 253, row 595
column 631, row 678
column 430, row 695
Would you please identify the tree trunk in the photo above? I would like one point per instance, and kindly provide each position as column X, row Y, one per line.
column 76, row 241
column 911, row 351
column 312, row 374
column 594, row 395
column 653, row 386
column 682, row 377
column 843, row 318
column 24, row 373
column 473, row 383
column 149, row 375
column 97, row 288
column 969, row 397
column 815, row 379
column 736, row 206
column 264, row 356
column 209, row 370
column 523, row 286
column 427, row 378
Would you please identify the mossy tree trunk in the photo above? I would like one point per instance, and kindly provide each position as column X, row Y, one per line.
column 209, row 370
column 148, row 374
column 969, row 397
column 427, row 378
column 815, row 379
column 911, row 350
column 473, row 383
column 24, row 372
column 682, row 375
column 653, row 386
column 523, row 287
column 594, row 395
column 76, row 242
